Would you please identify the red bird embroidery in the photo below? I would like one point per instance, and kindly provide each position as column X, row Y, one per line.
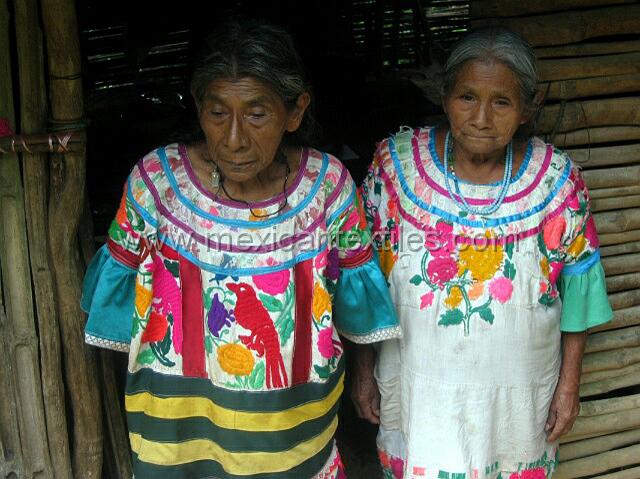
column 252, row 315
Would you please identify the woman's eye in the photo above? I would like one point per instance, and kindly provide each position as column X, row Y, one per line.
column 503, row 102
column 217, row 113
column 257, row 115
column 466, row 97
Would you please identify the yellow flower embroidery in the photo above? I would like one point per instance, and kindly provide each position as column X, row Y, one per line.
column 577, row 246
column 482, row 261
column 387, row 258
column 144, row 297
column 259, row 212
column 544, row 266
column 454, row 298
column 235, row 359
column 476, row 290
column 321, row 301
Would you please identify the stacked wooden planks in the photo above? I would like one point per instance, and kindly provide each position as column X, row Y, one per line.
column 589, row 64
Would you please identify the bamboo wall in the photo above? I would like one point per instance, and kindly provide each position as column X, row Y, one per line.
column 589, row 60
column 60, row 416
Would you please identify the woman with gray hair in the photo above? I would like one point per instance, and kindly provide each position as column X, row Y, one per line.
column 230, row 264
column 488, row 244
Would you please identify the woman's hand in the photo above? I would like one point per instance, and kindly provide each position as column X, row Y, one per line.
column 565, row 404
column 364, row 391
column 563, row 412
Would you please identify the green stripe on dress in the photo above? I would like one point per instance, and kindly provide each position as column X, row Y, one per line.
column 213, row 469
column 166, row 385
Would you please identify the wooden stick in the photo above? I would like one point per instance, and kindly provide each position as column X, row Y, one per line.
column 624, row 299
column 618, row 238
column 610, row 405
column 14, row 256
column 65, row 207
column 589, row 447
column 586, row 87
column 614, row 359
column 605, row 155
column 623, row 282
column 608, row 385
column 586, row 49
column 613, row 339
column 631, row 473
column 573, row 26
column 621, row 318
column 585, row 67
column 614, row 192
column 509, row 8
column 626, row 263
column 602, row 134
column 582, row 114
column 619, row 249
column 43, row 142
column 33, row 106
column 608, row 204
column 617, row 221
column 599, row 463
column 610, row 373
column 603, row 423
column 612, row 177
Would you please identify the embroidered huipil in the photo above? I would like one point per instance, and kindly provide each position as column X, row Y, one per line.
column 482, row 303
column 231, row 321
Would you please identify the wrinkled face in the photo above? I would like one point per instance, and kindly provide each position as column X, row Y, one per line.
column 485, row 107
column 244, row 121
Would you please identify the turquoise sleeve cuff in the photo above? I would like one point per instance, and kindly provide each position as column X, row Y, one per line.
column 584, row 300
column 363, row 310
column 108, row 296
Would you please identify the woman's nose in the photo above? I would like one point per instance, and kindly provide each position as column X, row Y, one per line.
column 236, row 138
column 482, row 116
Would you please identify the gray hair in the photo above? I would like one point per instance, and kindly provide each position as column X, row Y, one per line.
column 497, row 44
column 260, row 51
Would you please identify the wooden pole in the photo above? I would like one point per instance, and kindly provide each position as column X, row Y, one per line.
column 617, row 221
column 14, row 256
column 623, row 282
column 508, row 8
column 613, row 177
column 614, row 192
column 613, row 340
column 572, row 26
column 33, row 114
column 605, row 155
column 587, row 49
column 589, row 466
column 585, row 67
column 610, row 373
column 632, row 247
column 621, row 319
column 615, row 359
column 65, row 208
column 589, row 447
column 585, row 87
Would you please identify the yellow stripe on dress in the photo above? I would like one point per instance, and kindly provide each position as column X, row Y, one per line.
column 187, row 407
column 238, row 463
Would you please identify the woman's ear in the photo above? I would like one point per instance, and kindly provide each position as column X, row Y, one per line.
column 534, row 107
column 297, row 114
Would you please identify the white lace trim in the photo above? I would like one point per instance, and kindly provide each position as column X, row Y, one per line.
column 106, row 343
column 375, row 336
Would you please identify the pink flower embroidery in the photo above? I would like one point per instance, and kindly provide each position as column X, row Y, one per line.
column 552, row 232
column 591, row 234
column 321, row 260
column 273, row 283
column 352, row 220
column 439, row 241
column 426, row 300
column 543, row 287
column 537, row 473
column 397, row 467
column 325, row 342
column 574, row 202
column 441, row 270
column 556, row 269
column 501, row 289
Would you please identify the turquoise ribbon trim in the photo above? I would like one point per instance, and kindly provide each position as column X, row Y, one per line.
column 343, row 207
column 362, row 302
column 243, row 223
column 585, row 303
column 473, row 223
column 108, row 296
column 583, row 266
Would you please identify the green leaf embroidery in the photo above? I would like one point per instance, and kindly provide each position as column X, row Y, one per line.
column 256, row 379
column 285, row 325
column 116, row 233
column 173, row 267
column 546, row 299
column 509, row 249
column 451, row 318
column 322, row 371
column 509, row 270
column 417, row 279
column 462, row 214
column 272, row 304
column 487, row 315
column 146, row 357
column 208, row 344
column 542, row 246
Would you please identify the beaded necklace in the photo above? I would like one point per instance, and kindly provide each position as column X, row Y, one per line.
column 462, row 202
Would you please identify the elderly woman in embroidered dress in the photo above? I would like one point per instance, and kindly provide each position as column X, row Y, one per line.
column 231, row 265
column 496, row 302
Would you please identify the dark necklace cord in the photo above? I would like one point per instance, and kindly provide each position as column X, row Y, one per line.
column 282, row 206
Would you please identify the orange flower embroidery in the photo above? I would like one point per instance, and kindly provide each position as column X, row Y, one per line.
column 144, row 297
column 321, row 301
column 235, row 359
column 577, row 246
column 482, row 261
column 476, row 290
column 544, row 266
column 454, row 298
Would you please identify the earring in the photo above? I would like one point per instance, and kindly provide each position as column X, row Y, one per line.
column 215, row 177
